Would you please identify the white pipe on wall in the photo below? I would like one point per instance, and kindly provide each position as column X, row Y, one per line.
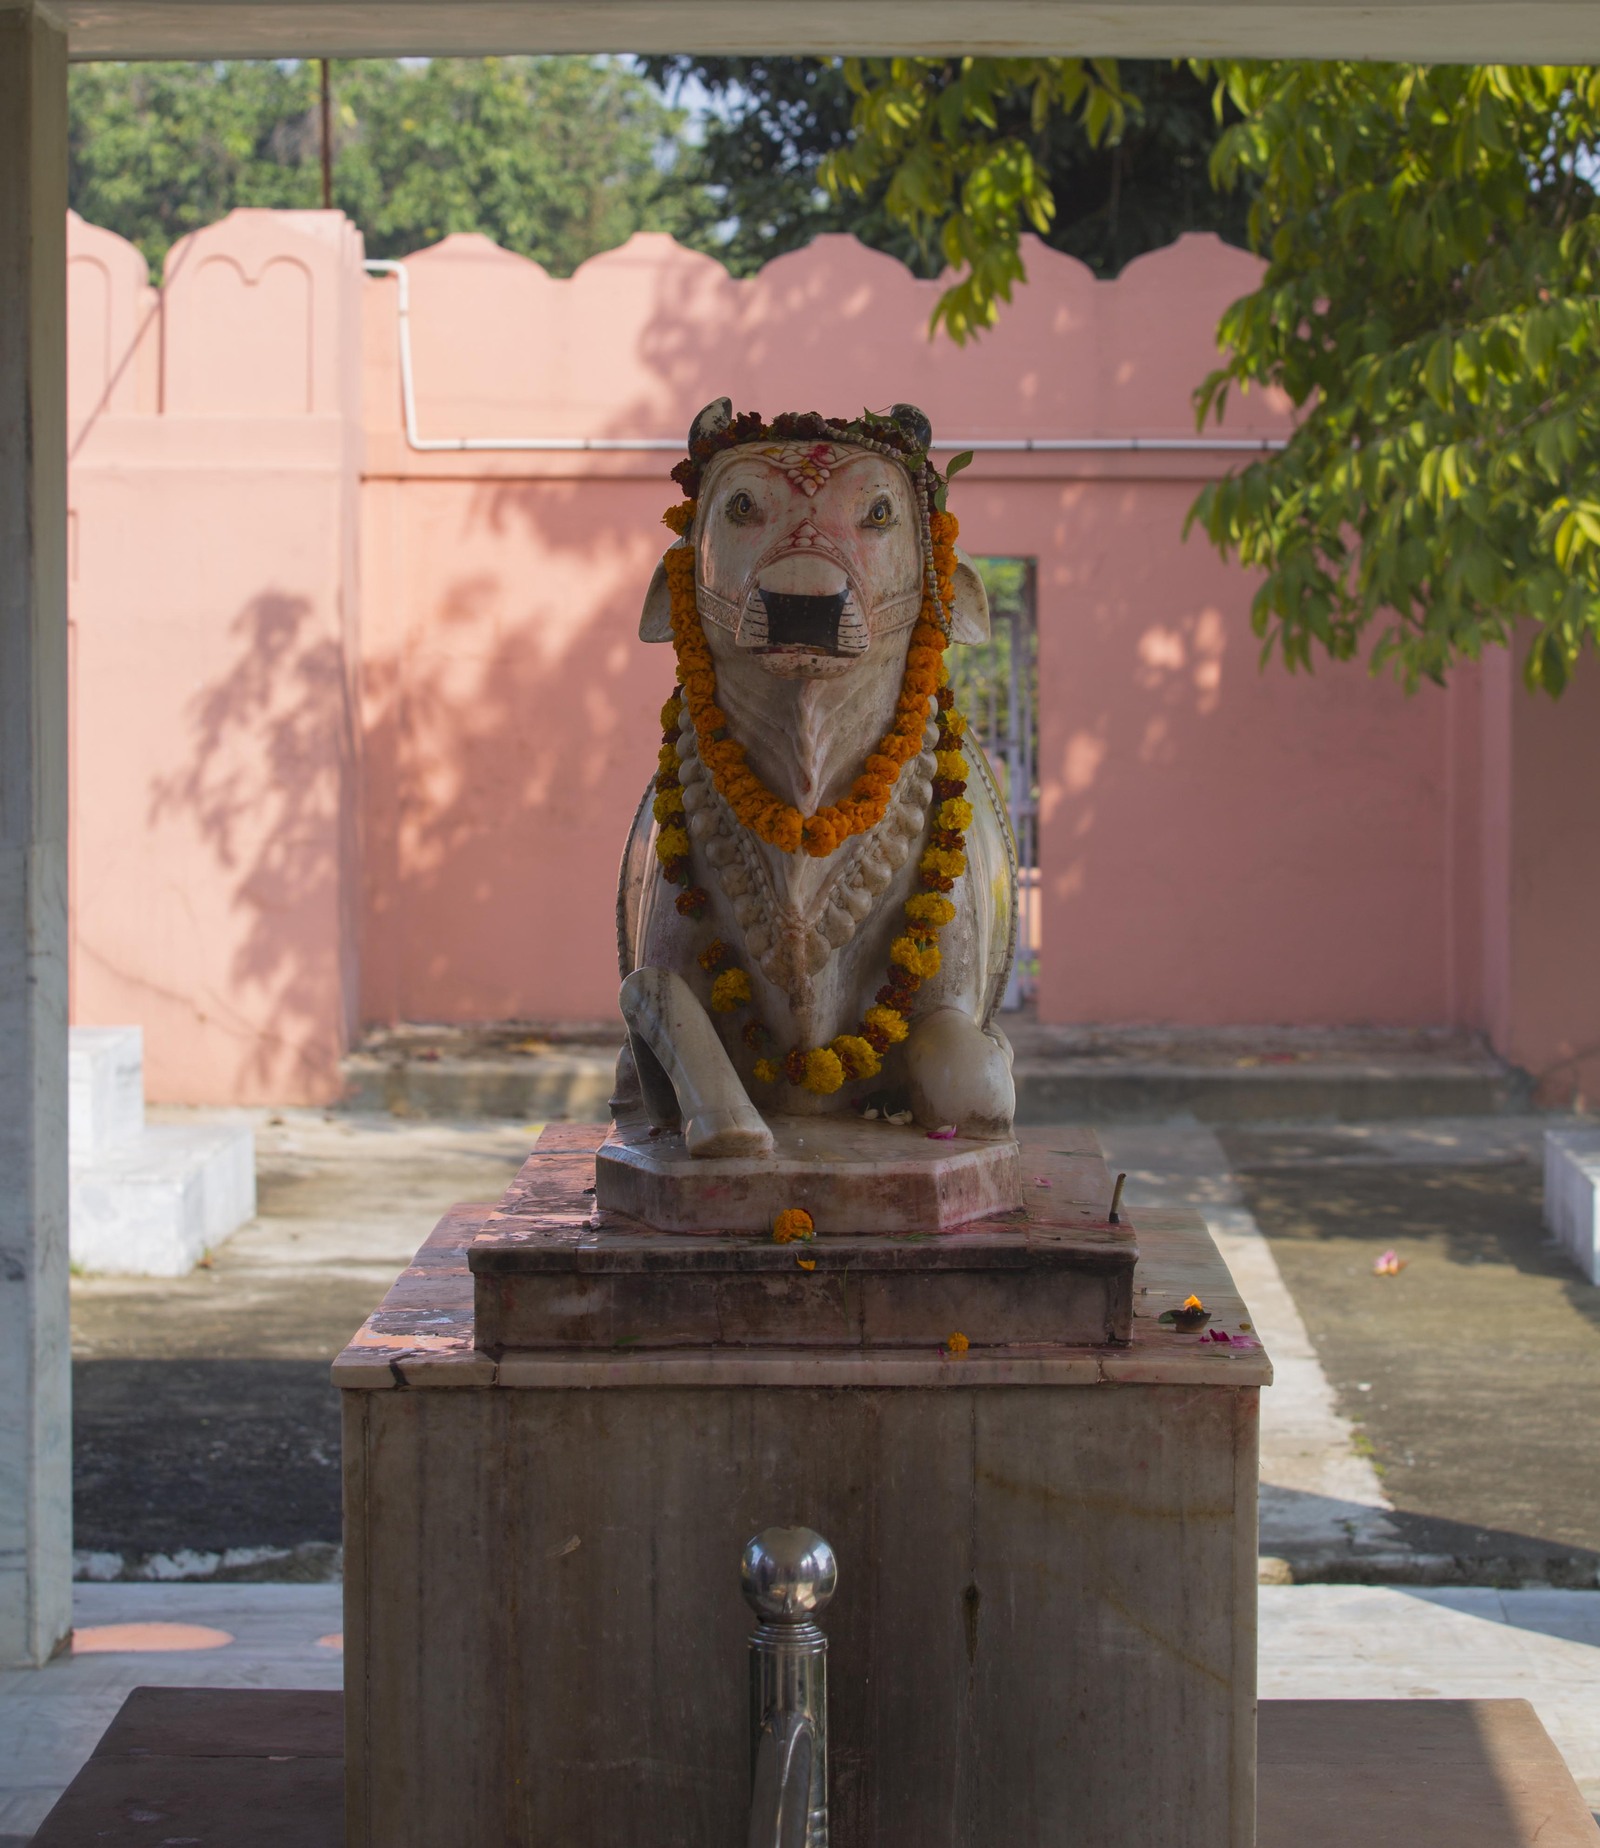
column 1009, row 445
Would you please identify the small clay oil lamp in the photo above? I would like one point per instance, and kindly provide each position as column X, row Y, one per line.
column 1189, row 1318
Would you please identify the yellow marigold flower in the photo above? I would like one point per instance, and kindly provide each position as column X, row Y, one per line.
column 857, row 1056
column 956, row 1344
column 731, row 989
column 955, row 813
column 667, row 802
column 942, row 860
column 824, row 1071
column 888, row 1021
column 951, row 766
column 930, row 908
column 910, row 955
column 672, row 844
column 955, row 723
column 766, row 1072
column 793, row 1223
column 667, row 758
column 671, row 712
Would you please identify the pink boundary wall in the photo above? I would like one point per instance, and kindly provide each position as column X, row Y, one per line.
column 358, row 729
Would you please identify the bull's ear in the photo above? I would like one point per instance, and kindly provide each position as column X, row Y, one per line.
column 655, row 619
column 969, row 604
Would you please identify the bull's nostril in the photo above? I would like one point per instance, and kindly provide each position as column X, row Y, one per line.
column 798, row 621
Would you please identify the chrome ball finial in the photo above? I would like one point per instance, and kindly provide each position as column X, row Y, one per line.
column 787, row 1574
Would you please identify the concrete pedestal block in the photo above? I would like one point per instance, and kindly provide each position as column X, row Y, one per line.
column 1044, row 1631
column 1572, row 1194
column 105, row 1089
column 147, row 1200
column 155, row 1207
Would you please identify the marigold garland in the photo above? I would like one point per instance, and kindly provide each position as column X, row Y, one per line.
column 913, row 957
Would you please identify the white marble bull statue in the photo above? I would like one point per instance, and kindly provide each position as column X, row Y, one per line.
column 811, row 554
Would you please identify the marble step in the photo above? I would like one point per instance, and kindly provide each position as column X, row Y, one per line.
column 153, row 1207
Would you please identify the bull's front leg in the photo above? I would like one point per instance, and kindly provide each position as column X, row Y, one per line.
column 960, row 1075
column 684, row 1069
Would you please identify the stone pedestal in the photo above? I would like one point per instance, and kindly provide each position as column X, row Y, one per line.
column 1044, row 1631
column 851, row 1176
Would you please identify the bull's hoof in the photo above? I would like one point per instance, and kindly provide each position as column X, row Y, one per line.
column 721, row 1135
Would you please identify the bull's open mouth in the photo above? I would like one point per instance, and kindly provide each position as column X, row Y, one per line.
column 798, row 623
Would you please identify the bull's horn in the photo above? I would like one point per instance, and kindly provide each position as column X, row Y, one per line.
column 915, row 423
column 712, row 421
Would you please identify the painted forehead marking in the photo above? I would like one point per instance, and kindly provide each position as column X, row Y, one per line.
column 807, row 466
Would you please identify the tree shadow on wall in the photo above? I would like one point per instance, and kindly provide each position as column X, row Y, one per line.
column 508, row 741
column 269, row 787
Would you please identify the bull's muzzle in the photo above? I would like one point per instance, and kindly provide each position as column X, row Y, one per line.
column 798, row 620
column 804, row 604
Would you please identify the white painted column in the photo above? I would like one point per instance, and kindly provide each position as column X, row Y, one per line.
column 35, row 1354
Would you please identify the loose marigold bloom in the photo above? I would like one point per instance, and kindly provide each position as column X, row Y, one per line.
column 957, row 1343
column 730, row 990
column 713, row 956
column 887, row 1021
column 766, row 1072
column 693, row 903
column 792, row 1224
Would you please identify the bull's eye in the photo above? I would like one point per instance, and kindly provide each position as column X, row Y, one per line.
column 880, row 513
column 741, row 506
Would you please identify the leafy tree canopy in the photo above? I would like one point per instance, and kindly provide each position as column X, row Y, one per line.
column 1431, row 306
column 792, row 147
column 557, row 158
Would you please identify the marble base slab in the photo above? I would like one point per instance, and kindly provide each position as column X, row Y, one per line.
column 850, row 1176
column 553, row 1270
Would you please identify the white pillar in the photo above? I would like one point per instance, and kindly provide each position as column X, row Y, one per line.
column 35, row 1354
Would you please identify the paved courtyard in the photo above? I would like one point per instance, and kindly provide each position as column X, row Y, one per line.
column 1429, row 1440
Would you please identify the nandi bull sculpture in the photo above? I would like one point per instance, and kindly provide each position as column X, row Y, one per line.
column 819, row 895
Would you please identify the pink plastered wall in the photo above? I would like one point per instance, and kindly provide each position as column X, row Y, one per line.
column 360, row 728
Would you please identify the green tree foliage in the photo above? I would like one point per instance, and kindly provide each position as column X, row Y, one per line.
column 1431, row 306
column 557, row 158
column 779, row 127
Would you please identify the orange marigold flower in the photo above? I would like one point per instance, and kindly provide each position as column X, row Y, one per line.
column 730, row 990
column 955, row 814
column 858, row 1056
column 794, row 1223
column 887, row 1021
column 679, row 518
column 956, row 1344
column 929, row 908
column 922, row 962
